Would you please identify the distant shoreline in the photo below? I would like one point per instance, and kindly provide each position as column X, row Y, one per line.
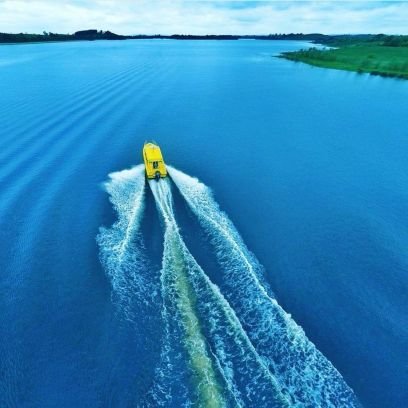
column 384, row 55
column 94, row 35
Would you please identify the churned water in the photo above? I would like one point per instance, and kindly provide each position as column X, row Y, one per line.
column 277, row 278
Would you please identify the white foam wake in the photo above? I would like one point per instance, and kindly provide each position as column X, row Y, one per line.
column 121, row 246
column 309, row 378
column 179, row 303
column 134, row 291
column 215, row 341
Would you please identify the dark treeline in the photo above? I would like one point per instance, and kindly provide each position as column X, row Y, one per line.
column 375, row 39
column 396, row 40
column 92, row 35
column 46, row 37
column 22, row 38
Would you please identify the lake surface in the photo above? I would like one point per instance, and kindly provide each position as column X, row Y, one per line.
column 309, row 165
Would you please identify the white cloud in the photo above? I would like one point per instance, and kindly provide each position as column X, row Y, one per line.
column 204, row 17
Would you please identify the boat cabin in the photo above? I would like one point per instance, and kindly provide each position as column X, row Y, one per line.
column 154, row 163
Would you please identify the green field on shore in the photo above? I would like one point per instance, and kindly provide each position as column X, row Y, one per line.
column 373, row 58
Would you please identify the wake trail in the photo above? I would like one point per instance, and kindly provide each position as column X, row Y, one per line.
column 307, row 376
column 216, row 344
column 121, row 246
column 242, row 349
column 179, row 302
column 135, row 283
column 122, row 254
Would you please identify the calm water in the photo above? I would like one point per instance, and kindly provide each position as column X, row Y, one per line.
column 310, row 165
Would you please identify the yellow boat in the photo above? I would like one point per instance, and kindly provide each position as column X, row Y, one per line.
column 154, row 163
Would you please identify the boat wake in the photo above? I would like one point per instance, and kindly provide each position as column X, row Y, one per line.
column 121, row 246
column 308, row 376
column 229, row 344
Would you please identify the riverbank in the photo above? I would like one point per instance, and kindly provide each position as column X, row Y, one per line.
column 387, row 56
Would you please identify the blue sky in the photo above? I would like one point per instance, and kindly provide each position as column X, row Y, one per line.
column 205, row 17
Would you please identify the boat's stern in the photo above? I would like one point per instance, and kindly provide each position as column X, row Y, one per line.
column 154, row 163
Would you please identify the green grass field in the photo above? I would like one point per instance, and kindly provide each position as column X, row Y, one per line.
column 376, row 59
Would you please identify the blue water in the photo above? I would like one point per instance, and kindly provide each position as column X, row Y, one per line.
column 308, row 217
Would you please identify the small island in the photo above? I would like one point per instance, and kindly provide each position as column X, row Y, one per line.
column 385, row 55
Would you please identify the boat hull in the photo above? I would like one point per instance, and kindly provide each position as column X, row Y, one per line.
column 154, row 162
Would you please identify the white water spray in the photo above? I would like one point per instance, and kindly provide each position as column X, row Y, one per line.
column 309, row 377
column 244, row 374
column 242, row 348
column 121, row 246
column 178, row 298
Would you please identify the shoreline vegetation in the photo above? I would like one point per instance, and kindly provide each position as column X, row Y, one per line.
column 384, row 55
column 93, row 35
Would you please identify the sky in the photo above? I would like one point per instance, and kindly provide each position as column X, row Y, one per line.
column 204, row 17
